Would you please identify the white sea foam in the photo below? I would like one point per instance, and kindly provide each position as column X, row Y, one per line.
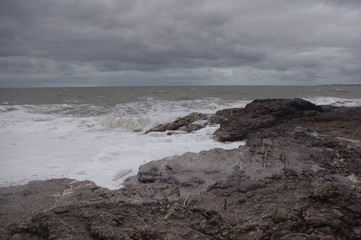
column 338, row 102
column 140, row 116
column 136, row 124
column 38, row 143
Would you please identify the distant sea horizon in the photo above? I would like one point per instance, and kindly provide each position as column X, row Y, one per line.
column 180, row 85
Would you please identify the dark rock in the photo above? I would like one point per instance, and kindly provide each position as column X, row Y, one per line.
column 322, row 217
column 149, row 173
column 289, row 172
column 170, row 179
column 279, row 215
column 242, row 200
column 195, row 180
column 118, row 220
column 297, row 108
column 249, row 185
column 333, row 189
column 187, row 123
column 296, row 236
column 24, row 237
column 61, row 209
column 259, row 114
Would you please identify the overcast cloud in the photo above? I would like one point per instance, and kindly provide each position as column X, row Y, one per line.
column 177, row 42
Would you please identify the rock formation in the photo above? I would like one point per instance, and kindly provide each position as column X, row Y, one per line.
column 296, row 178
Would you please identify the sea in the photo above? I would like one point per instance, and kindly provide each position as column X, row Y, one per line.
column 98, row 133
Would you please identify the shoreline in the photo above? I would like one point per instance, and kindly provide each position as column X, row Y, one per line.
column 296, row 178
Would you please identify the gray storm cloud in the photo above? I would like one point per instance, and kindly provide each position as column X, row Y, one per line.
column 175, row 42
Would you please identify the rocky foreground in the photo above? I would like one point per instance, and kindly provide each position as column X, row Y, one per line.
column 296, row 178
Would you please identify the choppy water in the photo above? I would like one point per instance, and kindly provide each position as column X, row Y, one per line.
column 98, row 133
column 106, row 96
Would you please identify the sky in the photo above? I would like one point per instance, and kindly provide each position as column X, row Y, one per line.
column 45, row 43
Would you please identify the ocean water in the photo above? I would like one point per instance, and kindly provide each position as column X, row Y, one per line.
column 97, row 133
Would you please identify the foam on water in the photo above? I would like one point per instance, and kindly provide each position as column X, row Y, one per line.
column 140, row 116
column 333, row 101
column 104, row 144
column 44, row 142
column 134, row 124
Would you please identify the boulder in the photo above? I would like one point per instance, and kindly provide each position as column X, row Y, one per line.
column 237, row 123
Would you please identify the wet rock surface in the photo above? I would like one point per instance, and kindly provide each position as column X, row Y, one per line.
column 237, row 124
column 297, row 177
column 190, row 123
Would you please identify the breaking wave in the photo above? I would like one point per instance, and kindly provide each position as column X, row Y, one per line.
column 333, row 101
column 132, row 124
column 7, row 108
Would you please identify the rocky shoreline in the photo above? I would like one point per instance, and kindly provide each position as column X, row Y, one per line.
column 296, row 178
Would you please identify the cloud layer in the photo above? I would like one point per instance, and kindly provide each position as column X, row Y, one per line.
column 175, row 42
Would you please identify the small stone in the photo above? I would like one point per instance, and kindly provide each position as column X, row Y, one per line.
column 148, row 173
column 279, row 215
column 61, row 210
column 242, row 200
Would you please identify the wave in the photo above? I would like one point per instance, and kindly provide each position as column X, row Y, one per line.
column 337, row 102
column 8, row 108
column 132, row 124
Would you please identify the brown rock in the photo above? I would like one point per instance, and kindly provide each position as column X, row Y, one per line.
column 61, row 209
column 279, row 215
